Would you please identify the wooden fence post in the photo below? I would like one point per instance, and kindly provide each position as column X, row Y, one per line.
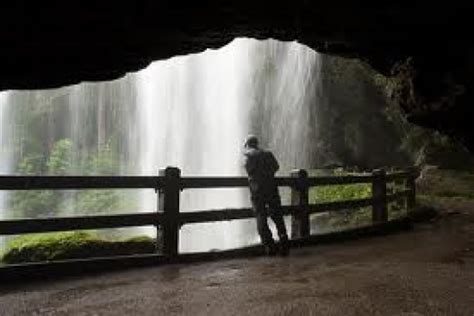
column 379, row 194
column 300, row 227
column 411, row 185
column 397, row 185
column 168, row 203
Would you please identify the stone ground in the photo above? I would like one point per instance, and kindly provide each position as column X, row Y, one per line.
column 427, row 271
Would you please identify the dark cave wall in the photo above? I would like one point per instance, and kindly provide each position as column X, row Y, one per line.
column 352, row 123
column 425, row 46
column 437, row 93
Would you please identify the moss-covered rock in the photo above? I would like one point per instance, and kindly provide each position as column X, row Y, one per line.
column 72, row 245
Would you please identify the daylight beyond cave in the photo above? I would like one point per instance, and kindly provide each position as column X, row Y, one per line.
column 193, row 112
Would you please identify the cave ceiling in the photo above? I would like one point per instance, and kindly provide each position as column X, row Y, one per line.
column 425, row 47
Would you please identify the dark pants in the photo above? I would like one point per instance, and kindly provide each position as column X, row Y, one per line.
column 268, row 204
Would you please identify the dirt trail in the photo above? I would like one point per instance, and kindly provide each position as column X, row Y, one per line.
column 428, row 271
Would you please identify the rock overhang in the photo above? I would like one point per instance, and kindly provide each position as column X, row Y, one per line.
column 426, row 48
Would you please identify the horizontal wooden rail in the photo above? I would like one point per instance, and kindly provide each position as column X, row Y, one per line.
column 213, row 182
column 23, row 226
column 147, row 182
column 226, row 182
column 339, row 205
column 227, row 214
column 400, row 175
column 233, row 182
column 285, row 181
column 215, row 215
column 77, row 182
column 398, row 195
column 242, row 213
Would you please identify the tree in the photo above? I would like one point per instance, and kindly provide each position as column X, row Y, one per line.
column 60, row 159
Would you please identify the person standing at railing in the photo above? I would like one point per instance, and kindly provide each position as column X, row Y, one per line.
column 261, row 166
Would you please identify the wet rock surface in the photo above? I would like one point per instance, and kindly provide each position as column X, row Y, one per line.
column 428, row 271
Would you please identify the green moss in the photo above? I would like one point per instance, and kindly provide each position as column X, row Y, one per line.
column 70, row 245
column 333, row 193
column 350, row 218
column 343, row 219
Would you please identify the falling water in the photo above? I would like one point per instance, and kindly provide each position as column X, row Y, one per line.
column 285, row 93
column 193, row 112
column 6, row 152
column 193, row 115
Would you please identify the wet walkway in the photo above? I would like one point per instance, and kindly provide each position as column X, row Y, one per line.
column 428, row 271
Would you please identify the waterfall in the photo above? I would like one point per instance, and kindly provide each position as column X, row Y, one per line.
column 192, row 112
column 285, row 91
column 195, row 111
column 6, row 153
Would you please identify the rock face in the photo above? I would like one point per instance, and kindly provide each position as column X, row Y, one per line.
column 426, row 48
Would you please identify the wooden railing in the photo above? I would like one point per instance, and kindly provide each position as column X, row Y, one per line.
column 168, row 218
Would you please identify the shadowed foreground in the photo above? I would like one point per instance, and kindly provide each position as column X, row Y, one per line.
column 428, row 271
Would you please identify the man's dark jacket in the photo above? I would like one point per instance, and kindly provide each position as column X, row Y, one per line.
column 261, row 166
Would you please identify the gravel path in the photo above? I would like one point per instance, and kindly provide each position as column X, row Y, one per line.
column 428, row 271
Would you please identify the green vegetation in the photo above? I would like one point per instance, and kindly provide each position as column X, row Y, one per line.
column 331, row 193
column 33, row 204
column 71, row 131
column 60, row 160
column 341, row 219
column 70, row 245
column 104, row 162
column 65, row 132
column 345, row 219
column 437, row 188
column 42, row 203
